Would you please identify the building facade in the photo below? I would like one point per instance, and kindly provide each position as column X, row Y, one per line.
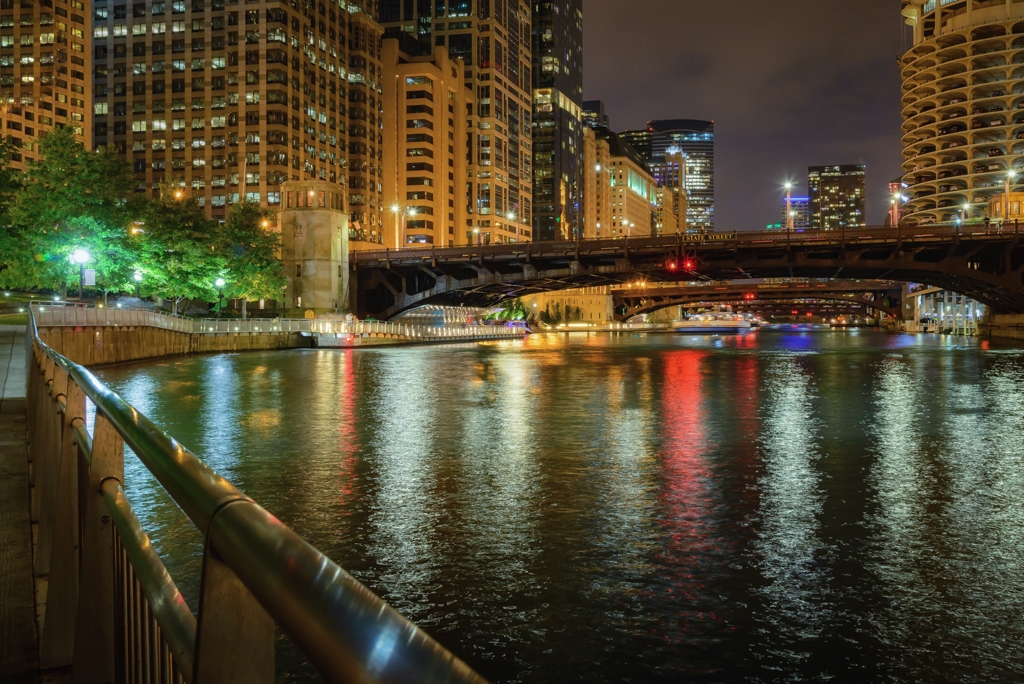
column 494, row 41
column 594, row 115
column 961, row 135
column 557, row 119
column 45, row 64
column 625, row 196
column 837, row 196
column 424, row 163
column 800, row 208
column 230, row 101
column 695, row 140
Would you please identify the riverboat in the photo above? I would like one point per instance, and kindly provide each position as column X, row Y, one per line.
column 720, row 320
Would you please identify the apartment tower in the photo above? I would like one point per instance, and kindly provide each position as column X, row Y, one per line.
column 837, row 196
column 425, row 121
column 557, row 119
column 44, row 71
column 492, row 38
column 229, row 100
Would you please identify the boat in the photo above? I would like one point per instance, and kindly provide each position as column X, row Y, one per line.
column 720, row 320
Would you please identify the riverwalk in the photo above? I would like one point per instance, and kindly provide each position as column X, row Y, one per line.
column 18, row 651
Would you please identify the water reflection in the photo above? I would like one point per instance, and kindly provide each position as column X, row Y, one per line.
column 611, row 508
column 796, row 592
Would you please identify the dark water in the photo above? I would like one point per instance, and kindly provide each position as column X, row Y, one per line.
column 807, row 507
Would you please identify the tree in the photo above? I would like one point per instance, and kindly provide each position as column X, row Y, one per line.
column 178, row 255
column 251, row 249
column 13, row 257
column 69, row 199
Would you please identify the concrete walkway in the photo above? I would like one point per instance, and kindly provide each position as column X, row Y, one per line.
column 18, row 650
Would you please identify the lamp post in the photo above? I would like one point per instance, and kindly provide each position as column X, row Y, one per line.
column 963, row 213
column 138, row 284
column 411, row 211
column 220, row 295
column 1009, row 177
column 512, row 217
column 789, row 206
column 395, row 209
column 476, row 232
column 80, row 256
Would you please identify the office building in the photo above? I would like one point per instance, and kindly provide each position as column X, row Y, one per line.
column 230, row 100
column 424, row 160
column 837, row 196
column 620, row 195
column 494, row 41
column 594, row 115
column 800, row 208
column 960, row 127
column 695, row 141
column 44, row 71
column 557, row 119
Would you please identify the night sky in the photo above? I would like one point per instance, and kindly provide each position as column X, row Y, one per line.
column 788, row 83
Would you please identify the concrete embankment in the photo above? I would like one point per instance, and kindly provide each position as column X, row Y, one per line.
column 1003, row 327
column 99, row 345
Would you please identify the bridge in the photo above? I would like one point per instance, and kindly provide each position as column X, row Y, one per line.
column 983, row 261
column 882, row 296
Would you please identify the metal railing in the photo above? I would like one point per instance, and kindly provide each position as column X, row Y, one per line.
column 114, row 614
column 54, row 314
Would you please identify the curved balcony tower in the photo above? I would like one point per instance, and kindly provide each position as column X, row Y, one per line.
column 963, row 106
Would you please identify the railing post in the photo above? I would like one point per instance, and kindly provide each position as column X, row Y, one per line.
column 46, row 481
column 235, row 635
column 39, row 444
column 57, row 644
column 95, row 637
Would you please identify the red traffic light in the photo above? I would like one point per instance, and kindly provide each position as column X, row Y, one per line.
column 672, row 265
column 689, row 264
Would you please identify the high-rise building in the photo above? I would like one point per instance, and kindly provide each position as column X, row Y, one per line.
column 230, row 100
column 594, row 115
column 837, row 196
column 493, row 39
column 960, row 123
column 695, row 140
column 620, row 195
column 557, row 119
column 800, row 207
column 44, row 70
column 424, row 160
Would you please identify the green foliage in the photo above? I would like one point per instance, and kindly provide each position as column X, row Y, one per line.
column 511, row 310
column 178, row 251
column 250, row 248
column 71, row 199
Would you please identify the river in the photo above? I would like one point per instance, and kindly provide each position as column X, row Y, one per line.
column 844, row 506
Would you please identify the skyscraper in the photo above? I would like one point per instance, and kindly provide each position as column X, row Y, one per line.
column 557, row 118
column 229, row 101
column 594, row 115
column 493, row 38
column 44, row 69
column 836, row 196
column 695, row 140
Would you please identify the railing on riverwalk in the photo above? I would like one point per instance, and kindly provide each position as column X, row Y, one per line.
column 55, row 314
column 114, row 614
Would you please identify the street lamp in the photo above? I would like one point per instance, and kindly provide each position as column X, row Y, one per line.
column 220, row 295
column 476, row 231
column 512, row 217
column 411, row 211
column 80, row 256
column 963, row 213
column 138, row 284
column 789, row 206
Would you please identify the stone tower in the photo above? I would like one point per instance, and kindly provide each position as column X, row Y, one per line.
column 314, row 247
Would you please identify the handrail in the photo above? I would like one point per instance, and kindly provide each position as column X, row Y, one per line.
column 347, row 632
column 165, row 601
